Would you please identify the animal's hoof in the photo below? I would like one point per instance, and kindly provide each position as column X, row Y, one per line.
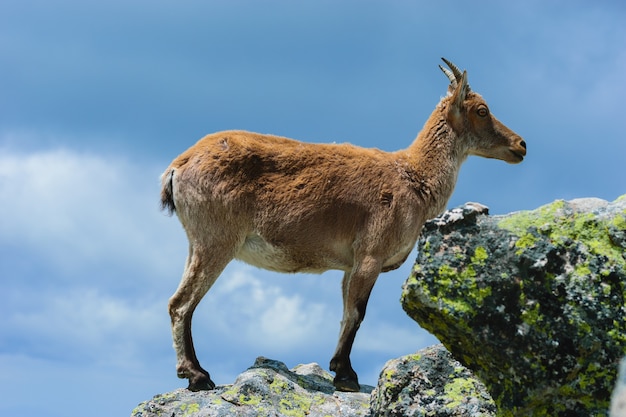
column 201, row 384
column 346, row 384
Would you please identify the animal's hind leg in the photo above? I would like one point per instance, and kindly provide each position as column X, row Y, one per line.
column 201, row 272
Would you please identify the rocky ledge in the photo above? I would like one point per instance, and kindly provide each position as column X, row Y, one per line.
column 428, row 383
column 532, row 302
column 267, row 388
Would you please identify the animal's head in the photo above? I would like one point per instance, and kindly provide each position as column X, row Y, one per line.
column 471, row 119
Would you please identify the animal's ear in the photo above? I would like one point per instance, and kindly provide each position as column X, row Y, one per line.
column 456, row 109
column 460, row 92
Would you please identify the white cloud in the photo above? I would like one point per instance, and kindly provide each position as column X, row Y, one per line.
column 80, row 210
column 86, row 326
column 247, row 307
column 87, row 258
column 382, row 336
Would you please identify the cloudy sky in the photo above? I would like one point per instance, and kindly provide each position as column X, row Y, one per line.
column 96, row 98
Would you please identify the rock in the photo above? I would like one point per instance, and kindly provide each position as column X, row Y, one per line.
column 430, row 383
column 267, row 388
column 532, row 302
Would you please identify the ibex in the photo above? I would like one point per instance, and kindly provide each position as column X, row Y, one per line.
column 289, row 206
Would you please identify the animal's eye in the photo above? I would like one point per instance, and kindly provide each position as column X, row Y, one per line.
column 482, row 111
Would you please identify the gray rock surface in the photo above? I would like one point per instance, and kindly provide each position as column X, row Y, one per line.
column 532, row 302
column 430, row 383
column 268, row 388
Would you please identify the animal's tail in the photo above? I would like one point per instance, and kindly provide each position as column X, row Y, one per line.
column 167, row 195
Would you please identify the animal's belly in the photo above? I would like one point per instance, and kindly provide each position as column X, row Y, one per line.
column 298, row 258
column 262, row 254
column 396, row 260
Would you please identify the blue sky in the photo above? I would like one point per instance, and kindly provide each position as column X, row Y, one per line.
column 96, row 98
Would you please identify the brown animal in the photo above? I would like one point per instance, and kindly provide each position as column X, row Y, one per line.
column 290, row 206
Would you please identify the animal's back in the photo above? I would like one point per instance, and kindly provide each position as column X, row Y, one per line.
column 239, row 164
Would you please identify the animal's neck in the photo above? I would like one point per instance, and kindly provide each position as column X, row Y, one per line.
column 434, row 160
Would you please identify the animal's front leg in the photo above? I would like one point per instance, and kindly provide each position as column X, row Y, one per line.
column 357, row 286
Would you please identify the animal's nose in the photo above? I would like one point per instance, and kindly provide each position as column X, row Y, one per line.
column 523, row 144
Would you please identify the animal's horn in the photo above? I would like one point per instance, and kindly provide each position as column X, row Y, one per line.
column 449, row 75
column 458, row 74
column 455, row 70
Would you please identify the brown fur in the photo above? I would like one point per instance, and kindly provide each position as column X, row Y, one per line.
column 290, row 206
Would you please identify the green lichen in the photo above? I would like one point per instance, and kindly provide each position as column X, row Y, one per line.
column 525, row 241
column 453, row 278
column 480, row 256
column 189, row 409
column 565, row 227
column 278, row 386
column 241, row 396
column 619, row 221
column 414, row 357
column 458, row 391
column 293, row 403
column 231, row 392
column 447, row 276
column 167, row 397
column 582, row 270
column 252, row 400
column 388, row 376
column 430, row 392
column 521, row 221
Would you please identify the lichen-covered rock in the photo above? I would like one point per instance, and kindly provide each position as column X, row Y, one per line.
column 532, row 302
column 268, row 388
column 430, row 383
